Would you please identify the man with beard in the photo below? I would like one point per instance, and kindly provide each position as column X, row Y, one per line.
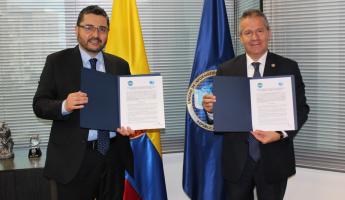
column 78, row 165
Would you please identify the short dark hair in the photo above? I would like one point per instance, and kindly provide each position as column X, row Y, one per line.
column 92, row 9
column 255, row 13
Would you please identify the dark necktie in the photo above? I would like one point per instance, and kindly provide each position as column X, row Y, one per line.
column 93, row 62
column 254, row 144
column 102, row 136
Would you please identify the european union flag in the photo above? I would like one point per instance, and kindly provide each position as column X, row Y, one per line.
column 202, row 178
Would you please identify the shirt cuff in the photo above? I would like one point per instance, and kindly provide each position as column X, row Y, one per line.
column 210, row 116
column 285, row 135
column 63, row 110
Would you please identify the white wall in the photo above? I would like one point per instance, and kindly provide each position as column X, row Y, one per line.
column 307, row 184
column 173, row 164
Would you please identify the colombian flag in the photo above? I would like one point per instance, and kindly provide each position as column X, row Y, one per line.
column 125, row 40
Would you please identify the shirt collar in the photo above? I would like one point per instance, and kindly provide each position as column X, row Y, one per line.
column 261, row 60
column 85, row 57
column 250, row 69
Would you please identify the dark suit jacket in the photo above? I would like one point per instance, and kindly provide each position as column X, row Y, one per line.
column 277, row 158
column 67, row 142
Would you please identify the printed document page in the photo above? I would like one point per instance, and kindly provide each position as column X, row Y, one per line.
column 272, row 104
column 141, row 102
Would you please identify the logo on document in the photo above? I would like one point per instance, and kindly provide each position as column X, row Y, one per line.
column 202, row 85
column 130, row 83
column 260, row 85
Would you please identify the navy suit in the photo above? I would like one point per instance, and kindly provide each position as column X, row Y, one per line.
column 277, row 158
column 67, row 142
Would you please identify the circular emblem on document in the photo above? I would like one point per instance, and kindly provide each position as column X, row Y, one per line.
column 260, row 85
column 198, row 88
column 130, row 83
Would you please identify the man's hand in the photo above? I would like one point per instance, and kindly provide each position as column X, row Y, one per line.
column 75, row 100
column 125, row 131
column 208, row 101
column 266, row 137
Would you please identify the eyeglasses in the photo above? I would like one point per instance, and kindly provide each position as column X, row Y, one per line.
column 91, row 28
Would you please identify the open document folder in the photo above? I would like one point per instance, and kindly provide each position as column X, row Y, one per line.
column 115, row 101
column 245, row 104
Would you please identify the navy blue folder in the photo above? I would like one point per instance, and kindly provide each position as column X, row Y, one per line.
column 102, row 110
column 232, row 109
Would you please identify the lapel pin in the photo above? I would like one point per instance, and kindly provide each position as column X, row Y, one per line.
column 273, row 65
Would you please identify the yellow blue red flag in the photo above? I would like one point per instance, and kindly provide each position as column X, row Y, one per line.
column 125, row 40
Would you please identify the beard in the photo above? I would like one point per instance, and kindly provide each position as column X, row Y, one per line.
column 87, row 44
